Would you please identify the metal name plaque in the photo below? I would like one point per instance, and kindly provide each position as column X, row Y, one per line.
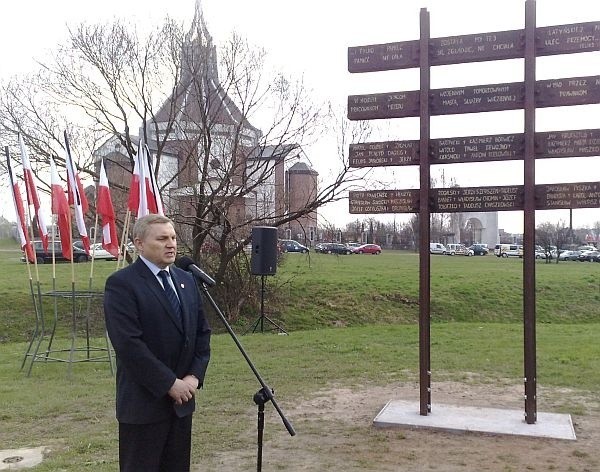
column 387, row 153
column 497, row 147
column 476, row 47
column 467, row 199
column 476, row 99
column 487, row 148
column 566, row 39
column 480, row 98
column 383, row 105
column 383, row 201
column 379, row 57
column 570, row 143
column 550, row 40
column 575, row 195
column 477, row 199
column 569, row 91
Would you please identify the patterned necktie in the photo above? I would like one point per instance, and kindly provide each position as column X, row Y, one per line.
column 171, row 295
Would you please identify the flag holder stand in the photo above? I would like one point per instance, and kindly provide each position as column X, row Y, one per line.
column 41, row 347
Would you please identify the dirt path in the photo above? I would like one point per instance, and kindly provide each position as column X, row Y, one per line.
column 335, row 433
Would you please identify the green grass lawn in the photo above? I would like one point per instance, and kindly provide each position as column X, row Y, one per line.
column 352, row 322
column 320, row 289
column 74, row 415
column 323, row 290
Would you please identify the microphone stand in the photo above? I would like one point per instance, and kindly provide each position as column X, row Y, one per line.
column 263, row 395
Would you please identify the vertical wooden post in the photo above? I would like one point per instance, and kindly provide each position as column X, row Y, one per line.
column 529, row 315
column 424, row 222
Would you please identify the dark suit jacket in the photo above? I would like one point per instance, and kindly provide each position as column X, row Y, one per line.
column 152, row 347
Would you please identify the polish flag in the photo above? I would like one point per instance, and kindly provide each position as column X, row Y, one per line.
column 154, row 201
column 21, row 226
column 133, row 201
column 106, row 212
column 142, row 209
column 77, row 197
column 32, row 194
column 60, row 208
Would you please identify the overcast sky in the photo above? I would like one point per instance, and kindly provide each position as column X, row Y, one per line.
column 310, row 38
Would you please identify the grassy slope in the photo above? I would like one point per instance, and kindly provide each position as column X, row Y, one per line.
column 358, row 290
column 323, row 290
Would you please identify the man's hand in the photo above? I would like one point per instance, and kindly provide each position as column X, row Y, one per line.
column 181, row 391
column 192, row 381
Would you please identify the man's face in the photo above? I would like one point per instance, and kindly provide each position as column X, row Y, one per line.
column 159, row 245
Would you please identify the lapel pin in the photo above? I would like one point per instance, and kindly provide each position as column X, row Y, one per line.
column 182, row 286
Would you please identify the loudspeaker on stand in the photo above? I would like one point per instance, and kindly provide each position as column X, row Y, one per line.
column 264, row 250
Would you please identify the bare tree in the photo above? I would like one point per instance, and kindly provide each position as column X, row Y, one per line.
column 195, row 110
column 550, row 234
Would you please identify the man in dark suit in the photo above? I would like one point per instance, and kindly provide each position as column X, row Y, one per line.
column 162, row 342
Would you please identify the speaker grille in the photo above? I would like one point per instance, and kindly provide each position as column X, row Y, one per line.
column 264, row 250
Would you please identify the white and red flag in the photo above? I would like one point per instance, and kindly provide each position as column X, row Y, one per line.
column 143, row 208
column 153, row 195
column 60, row 208
column 32, row 194
column 144, row 197
column 21, row 225
column 77, row 197
column 133, row 201
column 106, row 212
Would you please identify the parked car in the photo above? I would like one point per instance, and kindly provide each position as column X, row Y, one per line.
column 99, row 253
column 320, row 246
column 479, row 249
column 352, row 245
column 508, row 250
column 569, row 255
column 333, row 248
column 44, row 257
column 437, row 248
column 367, row 249
column 586, row 248
column 96, row 251
column 458, row 249
column 289, row 245
column 589, row 256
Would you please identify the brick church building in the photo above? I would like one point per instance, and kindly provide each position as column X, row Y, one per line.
column 209, row 152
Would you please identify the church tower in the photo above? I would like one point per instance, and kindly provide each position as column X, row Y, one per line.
column 212, row 159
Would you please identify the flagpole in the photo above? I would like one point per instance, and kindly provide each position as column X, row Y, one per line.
column 25, row 246
column 89, row 303
column 33, row 200
column 73, row 311
column 123, row 246
column 40, row 329
column 55, row 207
column 54, row 294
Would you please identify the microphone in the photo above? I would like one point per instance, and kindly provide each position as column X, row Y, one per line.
column 188, row 264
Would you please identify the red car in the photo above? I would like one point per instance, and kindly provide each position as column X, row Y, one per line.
column 367, row 249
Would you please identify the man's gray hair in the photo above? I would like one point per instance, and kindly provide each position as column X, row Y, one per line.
column 141, row 226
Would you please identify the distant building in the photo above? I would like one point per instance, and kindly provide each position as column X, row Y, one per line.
column 475, row 227
column 301, row 189
column 180, row 173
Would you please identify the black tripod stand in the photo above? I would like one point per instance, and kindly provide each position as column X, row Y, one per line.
column 261, row 397
column 262, row 318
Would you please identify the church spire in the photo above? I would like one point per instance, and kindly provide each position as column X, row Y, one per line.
column 199, row 48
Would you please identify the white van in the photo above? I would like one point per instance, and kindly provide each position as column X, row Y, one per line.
column 437, row 248
column 508, row 250
column 460, row 249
